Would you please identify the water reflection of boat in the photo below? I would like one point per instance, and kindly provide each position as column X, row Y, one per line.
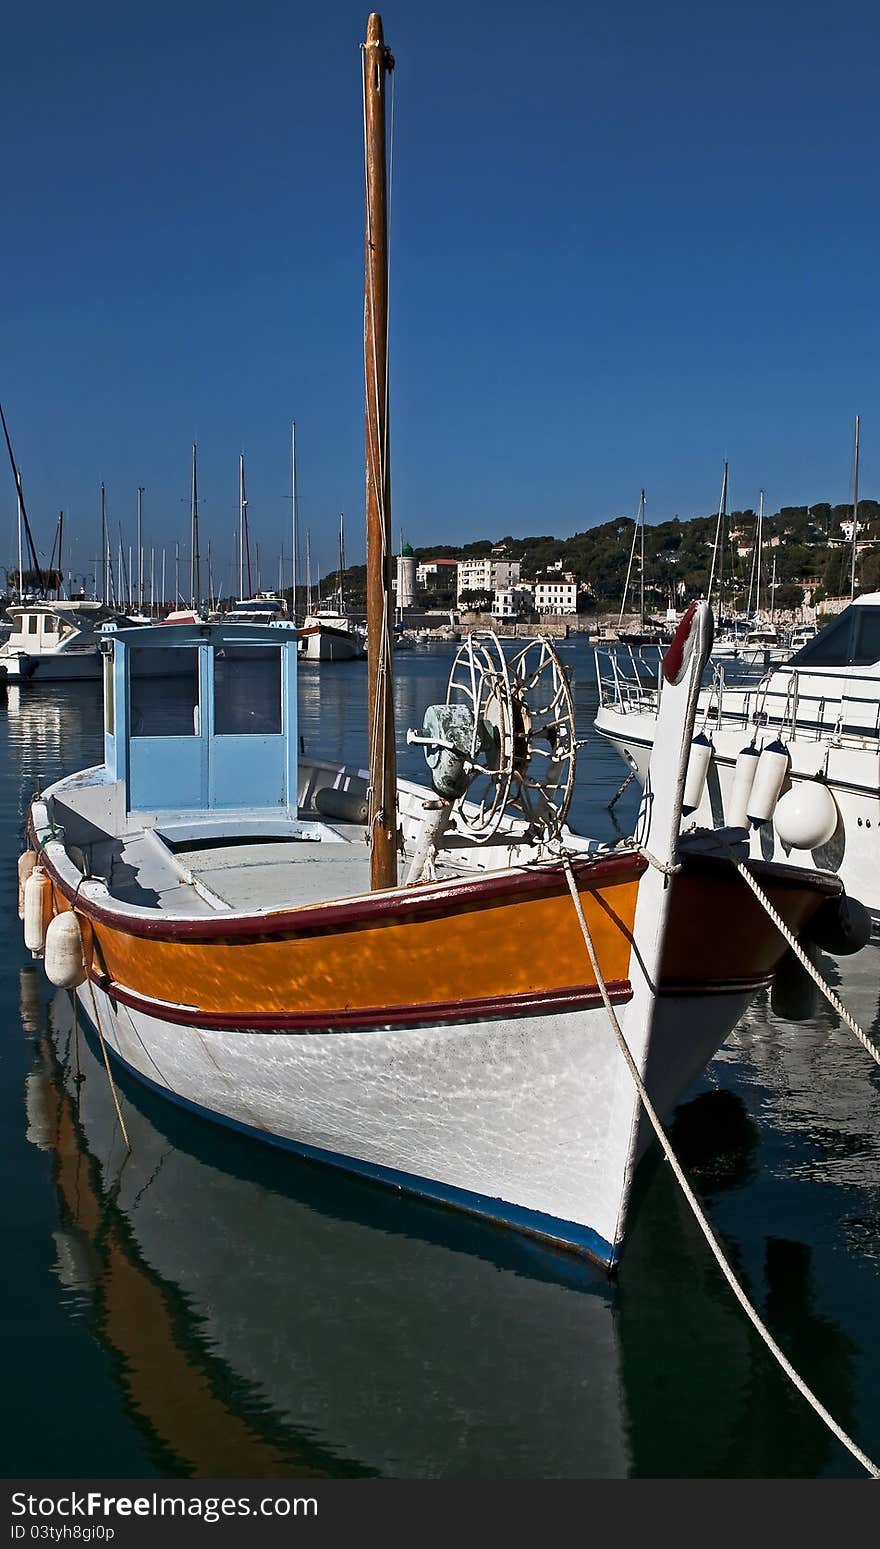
column 817, row 1088
column 283, row 1322
column 348, row 1335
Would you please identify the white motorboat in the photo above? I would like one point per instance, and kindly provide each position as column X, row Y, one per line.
column 54, row 642
column 326, row 635
column 795, row 757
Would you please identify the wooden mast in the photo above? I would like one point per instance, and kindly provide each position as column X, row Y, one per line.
column 377, row 63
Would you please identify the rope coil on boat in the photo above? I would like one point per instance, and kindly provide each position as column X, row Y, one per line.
column 701, row 1219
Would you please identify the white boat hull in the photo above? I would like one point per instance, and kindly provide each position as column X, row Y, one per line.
column 53, row 667
column 534, row 1123
column 319, row 644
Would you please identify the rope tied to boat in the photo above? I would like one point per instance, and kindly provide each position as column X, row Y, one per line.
column 699, row 1215
column 101, row 1040
column 668, row 868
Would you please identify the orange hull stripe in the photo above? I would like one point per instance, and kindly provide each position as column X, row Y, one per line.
column 518, row 946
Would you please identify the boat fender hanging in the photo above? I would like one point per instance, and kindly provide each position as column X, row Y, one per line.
column 63, row 952
column 37, row 909
column 737, row 814
column 770, row 773
column 840, row 926
column 697, row 772
column 793, row 994
column 806, row 815
column 26, row 864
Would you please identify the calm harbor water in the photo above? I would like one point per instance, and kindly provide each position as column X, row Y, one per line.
column 207, row 1307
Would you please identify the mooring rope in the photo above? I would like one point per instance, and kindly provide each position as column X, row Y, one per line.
column 113, row 1093
column 700, row 1217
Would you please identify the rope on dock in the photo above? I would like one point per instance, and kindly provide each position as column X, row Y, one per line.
column 702, row 1221
column 803, row 958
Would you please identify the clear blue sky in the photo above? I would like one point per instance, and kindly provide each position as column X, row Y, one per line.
column 627, row 242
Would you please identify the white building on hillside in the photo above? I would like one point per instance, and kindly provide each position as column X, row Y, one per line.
column 555, row 597
column 436, row 572
column 487, row 575
column 511, row 601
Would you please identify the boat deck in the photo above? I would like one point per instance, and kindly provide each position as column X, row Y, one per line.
column 247, row 874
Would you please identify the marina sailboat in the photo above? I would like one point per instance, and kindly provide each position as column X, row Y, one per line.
column 328, row 632
column 646, row 631
column 426, row 985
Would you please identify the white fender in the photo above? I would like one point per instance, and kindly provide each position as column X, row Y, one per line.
column 769, row 777
column 699, row 760
column 26, row 864
column 36, row 907
column 63, row 951
column 806, row 816
column 737, row 814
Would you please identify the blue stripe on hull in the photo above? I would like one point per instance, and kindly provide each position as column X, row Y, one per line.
column 534, row 1222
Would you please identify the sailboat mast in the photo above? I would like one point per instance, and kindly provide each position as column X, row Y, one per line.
column 341, row 562
column 195, row 578
column 105, row 555
column 308, row 572
column 140, row 543
column 377, row 62
column 855, row 531
column 632, row 555
column 758, row 559
column 718, row 545
column 241, row 505
column 293, row 520
column 16, row 474
column 20, row 560
column 642, row 591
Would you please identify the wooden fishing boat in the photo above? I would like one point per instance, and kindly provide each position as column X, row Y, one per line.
column 241, row 948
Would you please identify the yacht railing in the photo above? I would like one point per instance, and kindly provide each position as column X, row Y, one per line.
column 628, row 676
column 627, row 679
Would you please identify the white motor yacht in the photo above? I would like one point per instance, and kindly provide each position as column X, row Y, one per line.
column 795, row 757
column 53, row 642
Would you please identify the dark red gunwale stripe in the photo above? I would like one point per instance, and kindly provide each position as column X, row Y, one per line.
column 769, row 873
column 571, row 998
column 690, row 987
column 366, row 911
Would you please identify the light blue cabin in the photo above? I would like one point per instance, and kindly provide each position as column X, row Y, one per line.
column 200, row 717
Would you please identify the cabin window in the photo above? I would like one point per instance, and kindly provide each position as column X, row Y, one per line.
column 109, row 701
column 866, row 647
column 32, row 623
column 164, row 691
column 831, row 648
column 50, row 624
column 853, row 640
column 247, row 691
